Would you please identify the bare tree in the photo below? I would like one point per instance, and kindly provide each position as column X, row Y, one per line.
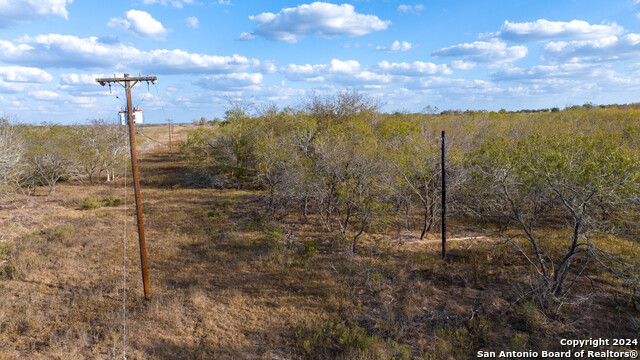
column 11, row 157
column 568, row 176
column 48, row 155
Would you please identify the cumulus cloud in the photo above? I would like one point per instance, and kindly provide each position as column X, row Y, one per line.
column 410, row 8
column 352, row 73
column 47, row 95
column 14, row 87
column 348, row 72
column 396, row 46
column 66, row 51
column 245, row 36
column 417, row 68
column 496, row 52
column 83, row 84
column 230, row 81
column 462, row 65
column 456, row 85
column 267, row 67
column 192, row 22
column 175, row 3
column 140, row 24
column 319, row 19
column 548, row 71
column 24, row 74
column 543, row 30
column 26, row 10
column 610, row 48
column 44, row 95
column 74, row 79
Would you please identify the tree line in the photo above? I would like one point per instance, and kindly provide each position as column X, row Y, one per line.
column 42, row 155
column 342, row 163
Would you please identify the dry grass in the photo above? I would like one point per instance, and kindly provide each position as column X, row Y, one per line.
column 226, row 285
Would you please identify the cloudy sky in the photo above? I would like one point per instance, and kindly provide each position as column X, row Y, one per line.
column 407, row 55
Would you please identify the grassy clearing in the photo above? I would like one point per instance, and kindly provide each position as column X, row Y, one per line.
column 227, row 285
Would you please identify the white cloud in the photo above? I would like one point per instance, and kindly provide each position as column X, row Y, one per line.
column 12, row 11
column 230, row 81
column 47, row 95
column 310, row 73
column 351, row 73
column 14, row 87
column 319, row 19
column 417, row 68
column 268, row 67
column 462, row 65
column 578, row 71
column 396, row 46
column 24, row 74
column 83, row 84
column 610, row 48
column 495, row 52
column 348, row 72
column 224, row 2
column 140, row 24
column 79, row 79
column 457, row 85
column 192, row 22
column 175, row 3
column 245, row 36
column 542, row 30
column 44, row 95
column 66, row 51
column 410, row 8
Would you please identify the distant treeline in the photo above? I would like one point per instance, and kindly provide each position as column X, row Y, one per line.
column 42, row 155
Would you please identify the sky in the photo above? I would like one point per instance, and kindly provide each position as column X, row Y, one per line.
column 492, row 54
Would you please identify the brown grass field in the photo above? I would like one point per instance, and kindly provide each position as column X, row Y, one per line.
column 227, row 284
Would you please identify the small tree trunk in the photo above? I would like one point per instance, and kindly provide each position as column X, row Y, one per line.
column 428, row 220
column 306, row 207
column 355, row 238
column 407, row 209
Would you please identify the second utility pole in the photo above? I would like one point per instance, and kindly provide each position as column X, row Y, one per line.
column 129, row 82
column 444, row 202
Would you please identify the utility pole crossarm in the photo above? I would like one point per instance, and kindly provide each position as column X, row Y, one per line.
column 103, row 81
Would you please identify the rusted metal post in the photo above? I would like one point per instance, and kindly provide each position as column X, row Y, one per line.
column 128, row 82
column 444, row 203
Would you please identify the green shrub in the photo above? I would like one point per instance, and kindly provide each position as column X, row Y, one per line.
column 111, row 201
column 519, row 341
column 91, row 202
column 310, row 248
column 8, row 271
column 59, row 234
column 321, row 338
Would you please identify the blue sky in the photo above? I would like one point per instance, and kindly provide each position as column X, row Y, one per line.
column 406, row 55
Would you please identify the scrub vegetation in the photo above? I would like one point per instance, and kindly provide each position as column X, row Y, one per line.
column 313, row 232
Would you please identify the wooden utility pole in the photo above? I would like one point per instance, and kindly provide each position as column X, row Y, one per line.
column 444, row 203
column 129, row 82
